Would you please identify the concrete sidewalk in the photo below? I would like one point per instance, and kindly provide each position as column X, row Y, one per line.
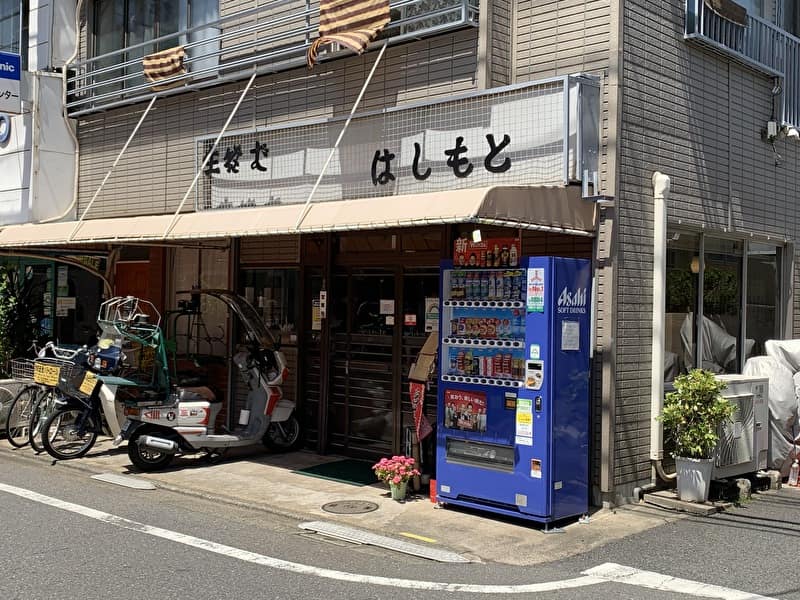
column 263, row 481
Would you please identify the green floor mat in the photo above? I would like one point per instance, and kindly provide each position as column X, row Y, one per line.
column 350, row 471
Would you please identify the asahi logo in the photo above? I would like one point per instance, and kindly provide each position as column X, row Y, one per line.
column 570, row 301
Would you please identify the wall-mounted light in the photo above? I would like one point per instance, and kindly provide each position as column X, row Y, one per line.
column 695, row 265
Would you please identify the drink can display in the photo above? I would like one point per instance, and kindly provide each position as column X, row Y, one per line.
column 454, row 327
column 468, row 362
column 462, row 326
column 487, row 366
column 518, row 368
column 507, row 366
column 460, row 362
column 497, row 365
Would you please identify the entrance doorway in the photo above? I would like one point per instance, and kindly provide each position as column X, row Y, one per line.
column 364, row 337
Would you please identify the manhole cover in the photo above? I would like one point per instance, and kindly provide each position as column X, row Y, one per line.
column 349, row 507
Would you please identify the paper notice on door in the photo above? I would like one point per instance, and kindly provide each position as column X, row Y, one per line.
column 386, row 307
column 570, row 335
column 524, row 422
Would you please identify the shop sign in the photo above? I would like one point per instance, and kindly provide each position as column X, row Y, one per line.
column 532, row 134
column 10, row 77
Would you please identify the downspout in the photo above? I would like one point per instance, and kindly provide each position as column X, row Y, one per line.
column 73, row 134
column 660, row 195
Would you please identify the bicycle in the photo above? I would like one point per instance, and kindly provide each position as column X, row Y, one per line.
column 34, row 403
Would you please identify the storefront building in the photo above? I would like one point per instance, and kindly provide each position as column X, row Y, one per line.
column 545, row 122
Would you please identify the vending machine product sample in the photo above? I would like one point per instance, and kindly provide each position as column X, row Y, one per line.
column 513, row 405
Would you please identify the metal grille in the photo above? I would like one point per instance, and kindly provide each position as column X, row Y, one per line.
column 450, row 141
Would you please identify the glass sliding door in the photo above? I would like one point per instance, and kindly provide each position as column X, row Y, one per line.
column 762, row 320
column 682, row 285
column 735, row 285
column 722, row 305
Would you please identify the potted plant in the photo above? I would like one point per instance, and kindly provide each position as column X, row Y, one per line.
column 396, row 471
column 692, row 416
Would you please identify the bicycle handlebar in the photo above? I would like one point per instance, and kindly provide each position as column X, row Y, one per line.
column 64, row 353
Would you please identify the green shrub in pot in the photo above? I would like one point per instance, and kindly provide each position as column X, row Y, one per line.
column 692, row 416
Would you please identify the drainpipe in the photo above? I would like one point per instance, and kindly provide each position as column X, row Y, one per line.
column 73, row 134
column 660, row 195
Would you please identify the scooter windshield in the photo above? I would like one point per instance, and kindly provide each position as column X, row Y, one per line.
column 256, row 329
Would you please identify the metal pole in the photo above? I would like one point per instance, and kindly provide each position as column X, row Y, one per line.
column 208, row 156
column 307, row 205
column 119, row 156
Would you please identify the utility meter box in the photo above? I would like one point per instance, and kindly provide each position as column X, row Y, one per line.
column 744, row 439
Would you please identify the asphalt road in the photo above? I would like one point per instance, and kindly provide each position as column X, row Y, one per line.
column 68, row 536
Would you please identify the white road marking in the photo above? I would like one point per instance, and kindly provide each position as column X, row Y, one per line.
column 605, row 573
column 657, row 581
column 277, row 563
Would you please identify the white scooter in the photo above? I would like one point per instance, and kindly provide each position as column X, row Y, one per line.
column 182, row 421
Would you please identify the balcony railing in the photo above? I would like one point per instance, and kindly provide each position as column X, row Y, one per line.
column 270, row 38
column 758, row 44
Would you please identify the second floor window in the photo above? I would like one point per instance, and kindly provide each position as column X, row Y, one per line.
column 128, row 24
column 783, row 13
column 14, row 28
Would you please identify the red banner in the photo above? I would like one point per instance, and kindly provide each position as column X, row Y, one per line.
column 417, row 392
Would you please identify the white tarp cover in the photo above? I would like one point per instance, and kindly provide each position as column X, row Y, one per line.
column 782, row 367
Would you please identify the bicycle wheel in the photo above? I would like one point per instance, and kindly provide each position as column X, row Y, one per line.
column 19, row 415
column 43, row 407
column 69, row 433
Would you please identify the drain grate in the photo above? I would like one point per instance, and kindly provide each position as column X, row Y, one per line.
column 359, row 536
column 349, row 507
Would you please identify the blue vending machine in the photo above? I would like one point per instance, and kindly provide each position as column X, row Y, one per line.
column 513, row 406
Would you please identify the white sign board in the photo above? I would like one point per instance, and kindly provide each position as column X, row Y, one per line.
column 10, row 76
column 518, row 135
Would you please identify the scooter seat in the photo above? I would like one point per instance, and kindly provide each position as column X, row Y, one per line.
column 197, row 394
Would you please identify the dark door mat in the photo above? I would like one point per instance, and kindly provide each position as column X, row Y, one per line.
column 350, row 471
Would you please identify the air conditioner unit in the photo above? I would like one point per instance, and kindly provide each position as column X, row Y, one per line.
column 743, row 442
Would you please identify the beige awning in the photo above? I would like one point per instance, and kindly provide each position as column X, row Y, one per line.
column 545, row 208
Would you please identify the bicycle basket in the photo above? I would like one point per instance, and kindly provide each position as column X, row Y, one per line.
column 48, row 371
column 22, row 369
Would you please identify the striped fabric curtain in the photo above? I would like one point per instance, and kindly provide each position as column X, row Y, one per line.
column 352, row 23
column 163, row 65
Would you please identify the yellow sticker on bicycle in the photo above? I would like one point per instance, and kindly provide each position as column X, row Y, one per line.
column 89, row 381
column 46, row 374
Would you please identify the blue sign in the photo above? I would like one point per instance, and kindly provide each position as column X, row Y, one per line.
column 10, row 66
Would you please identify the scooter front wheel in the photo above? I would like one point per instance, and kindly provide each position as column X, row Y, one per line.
column 69, row 433
column 147, row 459
column 283, row 436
